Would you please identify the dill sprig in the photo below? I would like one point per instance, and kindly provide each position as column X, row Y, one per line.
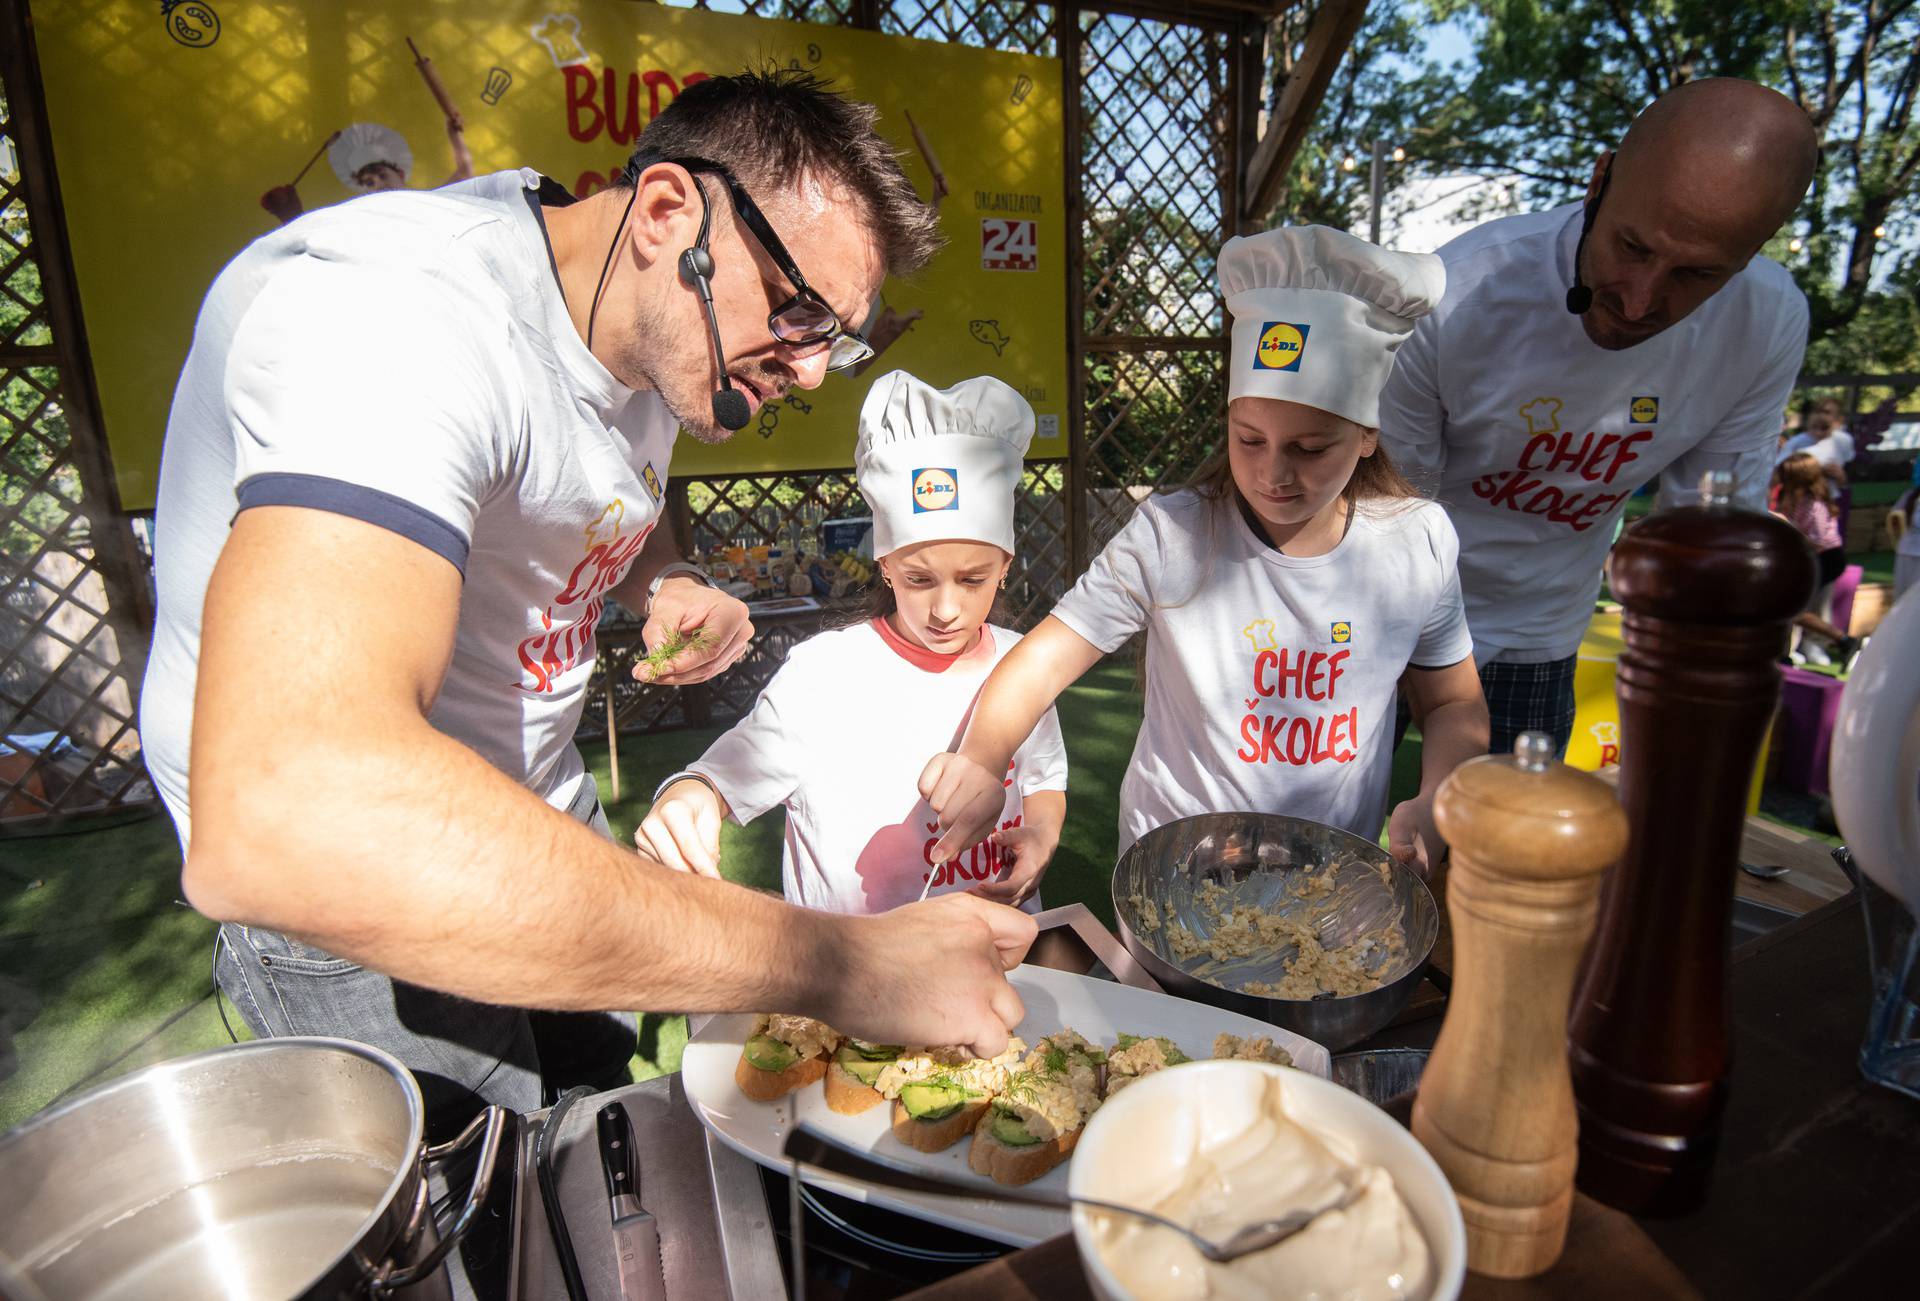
column 676, row 644
column 1022, row 1086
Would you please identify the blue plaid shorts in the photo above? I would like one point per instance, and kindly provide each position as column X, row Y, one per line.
column 1529, row 698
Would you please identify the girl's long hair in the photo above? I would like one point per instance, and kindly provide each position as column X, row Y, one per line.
column 1801, row 478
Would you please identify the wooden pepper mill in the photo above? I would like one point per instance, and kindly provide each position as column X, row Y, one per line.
column 1530, row 838
column 1709, row 592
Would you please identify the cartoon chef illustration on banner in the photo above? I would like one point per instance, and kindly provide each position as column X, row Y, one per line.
column 1286, row 594
column 841, row 732
column 369, row 157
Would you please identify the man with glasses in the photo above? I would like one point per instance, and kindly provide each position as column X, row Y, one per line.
column 420, row 440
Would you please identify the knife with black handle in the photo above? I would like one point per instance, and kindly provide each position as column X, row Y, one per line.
column 635, row 1235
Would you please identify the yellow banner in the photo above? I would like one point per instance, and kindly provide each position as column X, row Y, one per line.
column 179, row 125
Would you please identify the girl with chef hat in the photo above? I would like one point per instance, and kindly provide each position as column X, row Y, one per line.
column 1286, row 595
column 842, row 731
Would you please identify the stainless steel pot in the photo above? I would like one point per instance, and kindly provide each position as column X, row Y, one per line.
column 274, row 1169
column 1254, row 858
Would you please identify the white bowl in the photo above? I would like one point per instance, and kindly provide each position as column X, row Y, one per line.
column 1140, row 1125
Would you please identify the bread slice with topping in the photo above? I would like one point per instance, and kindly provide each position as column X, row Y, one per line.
column 782, row 1054
column 939, row 1094
column 1258, row 1049
column 1035, row 1124
column 852, row 1074
column 1133, row 1058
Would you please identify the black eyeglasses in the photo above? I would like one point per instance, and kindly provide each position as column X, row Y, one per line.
column 805, row 318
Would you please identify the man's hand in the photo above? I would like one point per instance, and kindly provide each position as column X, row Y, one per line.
column 1026, row 852
column 716, row 625
column 1412, row 836
column 966, row 798
column 682, row 829
column 932, row 973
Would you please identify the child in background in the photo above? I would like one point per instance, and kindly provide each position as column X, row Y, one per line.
column 1284, row 596
column 1806, row 499
column 843, row 729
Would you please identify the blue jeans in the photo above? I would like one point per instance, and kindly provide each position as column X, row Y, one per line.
column 464, row 1054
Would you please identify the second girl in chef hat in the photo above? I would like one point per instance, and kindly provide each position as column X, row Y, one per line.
column 842, row 731
column 1285, row 595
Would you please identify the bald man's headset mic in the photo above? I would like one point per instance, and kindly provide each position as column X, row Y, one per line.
column 1579, row 297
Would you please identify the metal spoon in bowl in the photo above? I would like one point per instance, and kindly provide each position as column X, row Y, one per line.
column 809, row 1148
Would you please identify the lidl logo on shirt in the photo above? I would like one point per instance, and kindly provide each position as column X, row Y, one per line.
column 1644, row 411
column 1282, row 345
column 1342, row 632
column 652, row 480
column 936, row 489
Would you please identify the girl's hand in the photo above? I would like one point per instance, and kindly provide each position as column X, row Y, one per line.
column 1026, row 853
column 966, row 798
column 1412, row 836
column 682, row 829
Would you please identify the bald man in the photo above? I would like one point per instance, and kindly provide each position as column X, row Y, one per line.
column 1579, row 353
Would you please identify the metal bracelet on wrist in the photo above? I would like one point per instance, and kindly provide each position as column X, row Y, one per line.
column 673, row 570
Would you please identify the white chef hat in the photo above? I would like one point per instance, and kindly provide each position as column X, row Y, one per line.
column 941, row 464
column 1318, row 315
column 362, row 145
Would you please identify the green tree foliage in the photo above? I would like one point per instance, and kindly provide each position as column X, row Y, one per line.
column 1548, row 84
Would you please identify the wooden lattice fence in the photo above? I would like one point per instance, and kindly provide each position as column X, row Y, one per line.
column 75, row 609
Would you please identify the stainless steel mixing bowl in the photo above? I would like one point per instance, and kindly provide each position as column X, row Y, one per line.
column 1256, row 858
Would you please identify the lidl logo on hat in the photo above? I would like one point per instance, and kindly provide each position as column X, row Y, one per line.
column 652, row 480
column 1644, row 411
column 936, row 489
column 1282, row 345
column 1342, row 632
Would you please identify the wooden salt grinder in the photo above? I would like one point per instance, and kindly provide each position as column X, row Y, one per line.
column 1709, row 591
column 1530, row 838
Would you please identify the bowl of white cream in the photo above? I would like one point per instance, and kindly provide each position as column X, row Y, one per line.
column 1219, row 1145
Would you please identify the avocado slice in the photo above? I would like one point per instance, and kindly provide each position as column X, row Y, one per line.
column 876, row 1052
column 764, row 1052
column 864, row 1069
column 927, row 1101
column 1011, row 1130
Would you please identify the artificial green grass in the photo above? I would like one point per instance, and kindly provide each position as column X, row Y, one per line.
column 102, row 968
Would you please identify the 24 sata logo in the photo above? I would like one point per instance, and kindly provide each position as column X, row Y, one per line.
column 1282, row 345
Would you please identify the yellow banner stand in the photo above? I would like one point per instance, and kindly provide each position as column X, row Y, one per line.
column 180, row 128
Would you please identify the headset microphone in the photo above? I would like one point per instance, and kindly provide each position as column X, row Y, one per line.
column 730, row 407
column 1579, row 296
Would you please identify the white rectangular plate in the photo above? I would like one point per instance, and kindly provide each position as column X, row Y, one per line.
column 1098, row 1009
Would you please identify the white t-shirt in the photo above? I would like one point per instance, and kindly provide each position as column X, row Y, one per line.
column 840, row 736
column 1534, row 438
column 1270, row 678
column 1835, row 450
column 407, row 359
